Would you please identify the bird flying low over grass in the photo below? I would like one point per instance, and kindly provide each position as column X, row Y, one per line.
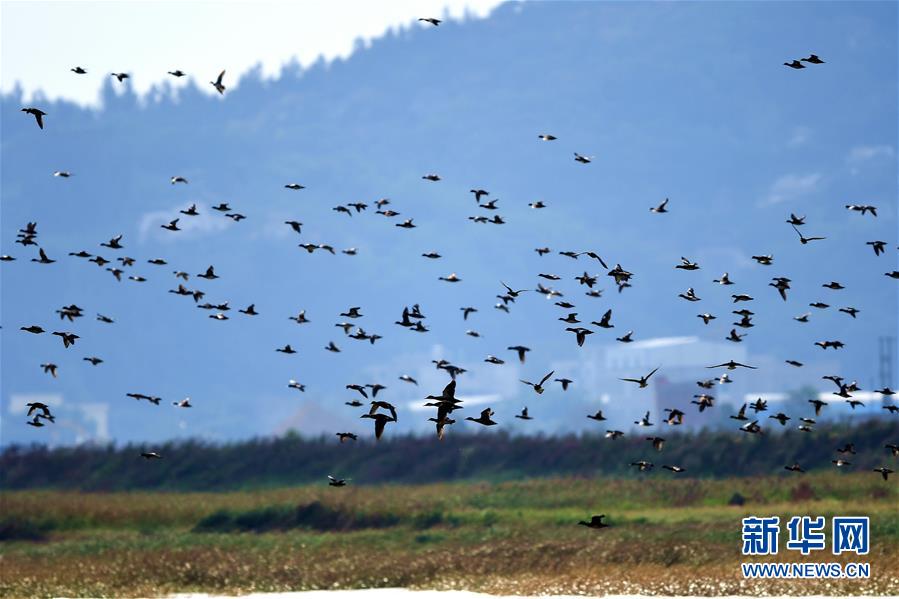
column 595, row 522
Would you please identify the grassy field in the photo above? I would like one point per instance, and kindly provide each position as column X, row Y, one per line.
column 667, row 537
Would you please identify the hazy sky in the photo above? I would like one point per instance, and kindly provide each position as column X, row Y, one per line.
column 41, row 41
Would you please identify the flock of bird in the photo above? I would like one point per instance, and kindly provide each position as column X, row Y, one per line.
column 446, row 403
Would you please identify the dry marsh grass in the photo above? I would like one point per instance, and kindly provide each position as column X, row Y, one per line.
column 668, row 536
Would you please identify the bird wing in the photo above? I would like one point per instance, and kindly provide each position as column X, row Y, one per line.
column 379, row 427
column 449, row 392
column 546, row 378
column 596, row 256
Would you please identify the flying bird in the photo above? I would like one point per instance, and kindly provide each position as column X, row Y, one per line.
column 731, row 365
column 878, row 246
column 538, row 387
column 862, row 208
column 661, row 208
column 68, row 339
column 597, row 416
column 521, row 350
column 605, row 321
column 803, row 239
column 484, row 419
column 595, row 522
column 381, row 421
column 643, row 381
column 524, row 415
column 580, row 334
column 218, row 85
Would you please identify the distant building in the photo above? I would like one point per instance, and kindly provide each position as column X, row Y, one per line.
column 682, row 362
column 675, row 354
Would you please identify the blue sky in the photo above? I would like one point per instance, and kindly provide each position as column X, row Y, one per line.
column 687, row 101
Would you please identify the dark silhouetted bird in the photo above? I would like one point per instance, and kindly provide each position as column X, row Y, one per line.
column 217, row 84
column 643, row 381
column 38, row 115
column 595, row 522
column 484, row 418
